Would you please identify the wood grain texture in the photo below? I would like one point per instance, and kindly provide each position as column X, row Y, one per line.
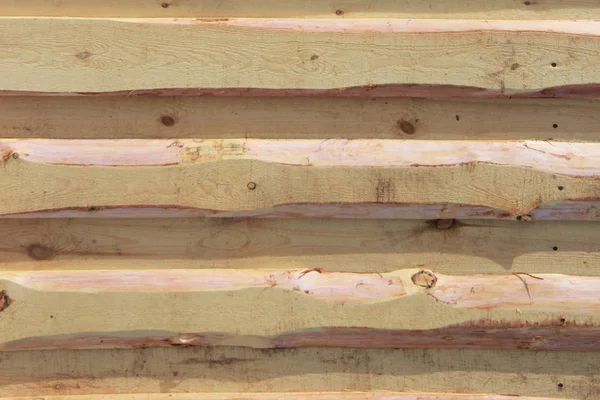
column 418, row 58
column 314, row 308
column 466, row 247
column 241, row 370
column 498, row 9
column 343, row 178
column 289, row 396
column 301, row 118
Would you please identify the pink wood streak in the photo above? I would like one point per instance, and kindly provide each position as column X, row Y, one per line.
column 543, row 291
column 581, row 91
column 290, row 396
column 409, row 26
column 566, row 158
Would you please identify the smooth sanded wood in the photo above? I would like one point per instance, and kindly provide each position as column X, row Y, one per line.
column 243, row 370
column 290, row 396
column 122, row 117
column 476, row 9
column 408, row 308
column 422, row 58
column 459, row 247
column 335, row 178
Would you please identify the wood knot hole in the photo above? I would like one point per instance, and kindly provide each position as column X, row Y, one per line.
column 406, row 127
column 425, row 279
column 5, row 300
column 167, row 120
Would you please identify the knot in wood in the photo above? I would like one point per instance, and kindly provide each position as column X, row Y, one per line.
column 425, row 279
column 5, row 300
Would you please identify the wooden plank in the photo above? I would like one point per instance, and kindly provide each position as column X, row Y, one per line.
column 357, row 178
column 297, row 117
column 499, row 9
column 418, row 58
column 314, row 308
column 288, row 396
column 464, row 247
column 202, row 369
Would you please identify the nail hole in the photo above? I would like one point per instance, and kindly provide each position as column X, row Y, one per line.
column 52, row 316
column 555, row 126
column 561, row 187
column 562, row 321
column 457, row 117
column 527, row 3
column 165, row 5
column 15, row 155
column 560, row 385
column 251, row 185
column 314, row 57
column 553, row 64
column 167, row 120
column 555, row 248
column 339, row 12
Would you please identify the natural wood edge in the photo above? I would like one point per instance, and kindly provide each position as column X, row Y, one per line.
column 589, row 91
column 563, row 158
column 554, row 211
column 487, row 291
column 286, row 396
column 477, row 335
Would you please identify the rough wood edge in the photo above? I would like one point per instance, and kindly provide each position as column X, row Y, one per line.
column 563, row 158
column 589, row 91
column 554, row 211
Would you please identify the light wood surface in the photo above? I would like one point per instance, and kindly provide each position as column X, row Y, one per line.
column 486, row 9
column 422, row 58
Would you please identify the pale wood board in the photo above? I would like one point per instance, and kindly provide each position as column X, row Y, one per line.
column 298, row 117
column 241, row 370
column 466, row 247
column 476, row 9
column 243, row 177
column 464, row 58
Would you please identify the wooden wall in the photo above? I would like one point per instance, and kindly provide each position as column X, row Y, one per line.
column 210, row 199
